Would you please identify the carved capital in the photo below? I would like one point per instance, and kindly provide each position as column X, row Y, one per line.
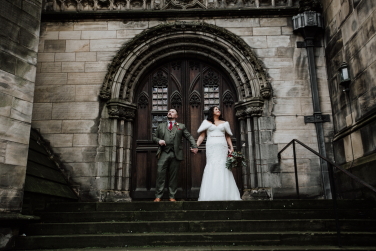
column 120, row 109
column 253, row 107
column 265, row 92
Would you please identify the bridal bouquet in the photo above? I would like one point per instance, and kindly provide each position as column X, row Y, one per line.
column 235, row 159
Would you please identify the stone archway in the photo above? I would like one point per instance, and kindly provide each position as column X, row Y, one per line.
column 159, row 43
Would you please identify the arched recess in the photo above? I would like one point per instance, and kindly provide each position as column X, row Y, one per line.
column 160, row 43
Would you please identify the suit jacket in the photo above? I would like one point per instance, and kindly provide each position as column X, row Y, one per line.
column 178, row 130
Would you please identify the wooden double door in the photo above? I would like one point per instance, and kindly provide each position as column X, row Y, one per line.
column 191, row 86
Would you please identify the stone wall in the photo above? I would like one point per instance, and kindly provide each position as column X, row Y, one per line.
column 19, row 37
column 350, row 37
column 72, row 63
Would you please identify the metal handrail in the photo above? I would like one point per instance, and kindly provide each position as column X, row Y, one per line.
column 331, row 178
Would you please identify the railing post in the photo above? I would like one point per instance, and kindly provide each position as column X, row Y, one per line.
column 334, row 198
column 296, row 170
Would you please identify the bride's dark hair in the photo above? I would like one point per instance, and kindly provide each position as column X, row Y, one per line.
column 211, row 114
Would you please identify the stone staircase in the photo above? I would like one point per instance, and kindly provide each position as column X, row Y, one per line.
column 308, row 224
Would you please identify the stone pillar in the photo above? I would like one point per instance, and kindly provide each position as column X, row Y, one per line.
column 19, row 38
column 122, row 114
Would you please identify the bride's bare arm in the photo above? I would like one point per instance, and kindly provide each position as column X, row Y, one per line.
column 201, row 138
column 229, row 143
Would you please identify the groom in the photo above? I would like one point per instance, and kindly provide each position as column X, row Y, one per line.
column 170, row 153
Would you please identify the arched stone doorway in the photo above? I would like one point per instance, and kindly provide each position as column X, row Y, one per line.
column 164, row 43
column 191, row 85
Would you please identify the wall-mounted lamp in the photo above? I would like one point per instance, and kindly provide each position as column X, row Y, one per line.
column 344, row 76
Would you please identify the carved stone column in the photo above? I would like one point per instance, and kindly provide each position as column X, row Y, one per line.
column 248, row 112
column 123, row 114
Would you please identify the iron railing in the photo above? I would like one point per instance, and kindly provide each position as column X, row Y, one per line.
column 331, row 178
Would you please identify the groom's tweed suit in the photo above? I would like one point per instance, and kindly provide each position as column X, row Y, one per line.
column 171, row 155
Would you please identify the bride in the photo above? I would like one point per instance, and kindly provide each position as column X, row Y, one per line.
column 218, row 182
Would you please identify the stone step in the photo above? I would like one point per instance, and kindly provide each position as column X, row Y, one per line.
column 198, row 226
column 299, row 238
column 174, row 215
column 207, row 205
column 229, row 248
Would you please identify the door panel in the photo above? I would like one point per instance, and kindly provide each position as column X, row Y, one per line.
column 191, row 86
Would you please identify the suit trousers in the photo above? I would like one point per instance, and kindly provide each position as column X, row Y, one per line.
column 167, row 161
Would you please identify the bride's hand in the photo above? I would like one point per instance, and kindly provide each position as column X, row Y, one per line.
column 231, row 150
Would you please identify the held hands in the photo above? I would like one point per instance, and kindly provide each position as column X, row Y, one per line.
column 194, row 150
column 162, row 143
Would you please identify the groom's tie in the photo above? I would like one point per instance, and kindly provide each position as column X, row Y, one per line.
column 170, row 126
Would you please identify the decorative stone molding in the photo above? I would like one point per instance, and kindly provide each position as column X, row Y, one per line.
column 120, row 109
column 143, row 100
column 228, row 99
column 176, row 100
column 253, row 107
column 172, row 40
column 134, row 5
column 195, row 99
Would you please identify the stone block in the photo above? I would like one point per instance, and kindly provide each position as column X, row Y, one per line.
column 25, row 70
column 51, row 79
column 287, row 30
column 65, row 57
column 79, row 126
column 77, row 110
column 287, row 106
column 83, row 169
column 21, row 110
column 59, row 140
column 262, row 31
column 54, row 46
column 98, row 34
column 127, row 33
column 266, row 53
column 285, row 73
column 41, row 45
column 85, row 140
column 278, row 62
column 120, row 25
column 16, row 154
column 73, row 66
column 49, row 35
column 106, row 56
column 301, row 73
column 28, row 40
column 33, row 8
column 278, row 41
column 90, row 26
column 55, row 93
column 77, row 45
column 292, row 122
column 276, row 22
column 96, row 66
column 87, row 92
column 107, row 44
column 307, row 107
column 64, row 26
column 5, row 104
column 15, row 131
column 19, row 51
column 47, row 126
column 46, row 57
column 9, row 30
column 69, row 35
column 86, row 56
column 256, row 41
column 8, row 62
column 285, row 136
column 238, row 22
column 51, row 67
column 16, row 86
column 364, row 10
column 291, row 88
column 42, row 111
column 69, row 154
column 241, row 31
column 86, row 78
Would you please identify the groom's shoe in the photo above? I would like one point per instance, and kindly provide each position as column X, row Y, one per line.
column 157, row 200
column 172, row 199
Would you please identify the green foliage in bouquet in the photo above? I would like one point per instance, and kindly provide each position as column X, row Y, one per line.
column 235, row 160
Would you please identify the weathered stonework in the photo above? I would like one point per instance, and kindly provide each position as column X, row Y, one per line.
column 19, row 36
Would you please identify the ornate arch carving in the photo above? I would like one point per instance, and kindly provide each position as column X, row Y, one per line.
column 189, row 38
column 195, row 99
column 176, row 99
column 143, row 100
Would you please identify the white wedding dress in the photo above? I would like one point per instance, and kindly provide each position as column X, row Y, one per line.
column 218, row 182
